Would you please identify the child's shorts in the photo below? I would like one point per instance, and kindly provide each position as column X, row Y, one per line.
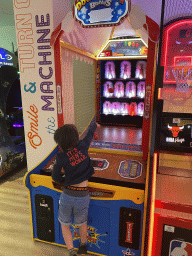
column 73, row 207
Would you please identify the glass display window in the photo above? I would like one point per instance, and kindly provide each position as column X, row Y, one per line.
column 115, row 106
column 124, row 110
column 119, row 89
column 108, row 89
column 140, row 109
column 140, row 71
column 110, row 70
column 125, row 71
column 141, row 90
column 133, row 109
column 107, row 108
column 130, row 90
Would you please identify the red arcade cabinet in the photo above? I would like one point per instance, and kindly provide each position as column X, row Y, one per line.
column 169, row 200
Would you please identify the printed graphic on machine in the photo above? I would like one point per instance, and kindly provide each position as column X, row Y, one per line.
column 130, row 169
column 93, row 238
column 180, row 248
column 95, row 13
column 176, row 241
column 128, row 252
column 177, row 132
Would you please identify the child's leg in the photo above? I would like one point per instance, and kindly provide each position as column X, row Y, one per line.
column 83, row 233
column 67, row 236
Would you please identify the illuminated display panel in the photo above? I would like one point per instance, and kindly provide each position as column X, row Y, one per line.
column 176, row 132
column 177, row 52
column 7, row 58
column 124, row 48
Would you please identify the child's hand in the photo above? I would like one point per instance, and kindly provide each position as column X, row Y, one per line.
column 95, row 136
column 98, row 125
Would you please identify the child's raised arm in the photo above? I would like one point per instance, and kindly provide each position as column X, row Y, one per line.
column 91, row 130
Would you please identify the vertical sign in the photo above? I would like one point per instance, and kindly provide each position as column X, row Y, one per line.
column 34, row 25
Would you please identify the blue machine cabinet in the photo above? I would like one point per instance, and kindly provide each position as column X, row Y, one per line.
column 114, row 219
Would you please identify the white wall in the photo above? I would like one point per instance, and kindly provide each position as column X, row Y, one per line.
column 7, row 36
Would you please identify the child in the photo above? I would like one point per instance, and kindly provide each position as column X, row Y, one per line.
column 74, row 201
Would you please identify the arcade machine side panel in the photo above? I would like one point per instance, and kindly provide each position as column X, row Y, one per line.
column 175, row 140
column 173, row 146
column 44, row 204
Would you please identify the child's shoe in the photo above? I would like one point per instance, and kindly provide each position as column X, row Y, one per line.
column 82, row 249
column 72, row 252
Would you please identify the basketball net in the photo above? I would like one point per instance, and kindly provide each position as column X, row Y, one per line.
column 183, row 77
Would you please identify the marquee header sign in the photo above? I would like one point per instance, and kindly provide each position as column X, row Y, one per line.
column 94, row 13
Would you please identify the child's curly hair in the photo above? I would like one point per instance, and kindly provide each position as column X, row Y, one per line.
column 67, row 137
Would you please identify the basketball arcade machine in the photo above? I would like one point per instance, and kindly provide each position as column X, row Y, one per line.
column 111, row 194
column 172, row 142
column 112, row 188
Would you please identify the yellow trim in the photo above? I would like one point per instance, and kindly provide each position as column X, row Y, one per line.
column 77, row 50
column 30, row 211
column 112, row 33
column 38, row 164
column 99, row 51
column 42, row 180
column 61, row 245
column 122, row 57
column 111, row 151
column 25, row 178
column 102, row 48
column 123, row 193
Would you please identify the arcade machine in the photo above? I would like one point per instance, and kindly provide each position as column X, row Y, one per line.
column 170, row 207
column 12, row 146
column 115, row 221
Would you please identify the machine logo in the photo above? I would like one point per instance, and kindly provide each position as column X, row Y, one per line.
column 128, row 252
column 6, row 57
column 175, row 130
column 95, row 13
column 180, row 248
